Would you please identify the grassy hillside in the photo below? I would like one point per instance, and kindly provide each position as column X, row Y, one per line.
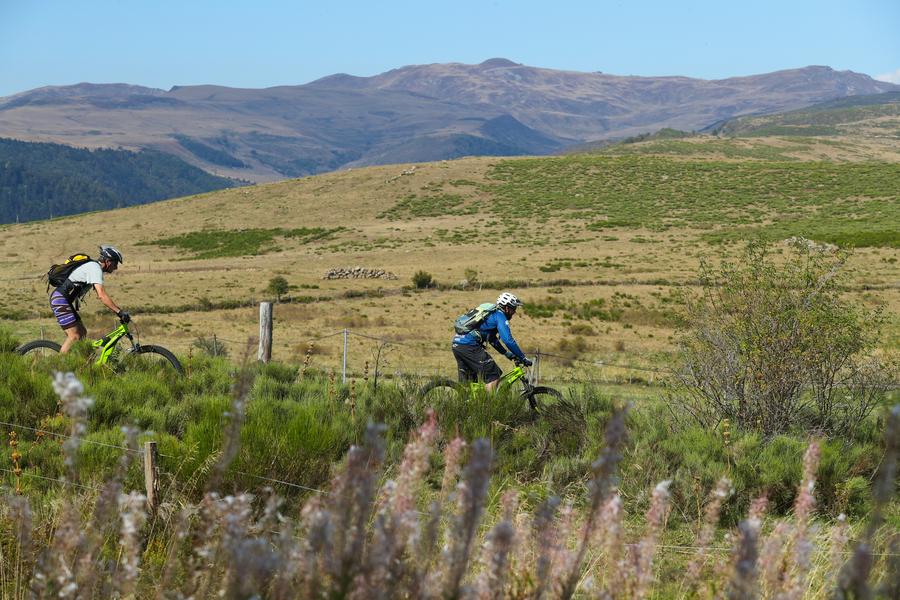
column 602, row 248
column 861, row 128
column 877, row 115
column 599, row 246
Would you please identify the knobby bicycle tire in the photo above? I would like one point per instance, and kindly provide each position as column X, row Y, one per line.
column 550, row 397
column 446, row 386
column 151, row 349
column 37, row 345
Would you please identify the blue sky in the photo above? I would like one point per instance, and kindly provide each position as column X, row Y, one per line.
column 260, row 43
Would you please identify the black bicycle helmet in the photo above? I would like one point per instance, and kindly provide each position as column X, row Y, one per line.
column 110, row 253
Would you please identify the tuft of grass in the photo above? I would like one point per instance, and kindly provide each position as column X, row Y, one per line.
column 218, row 243
column 380, row 526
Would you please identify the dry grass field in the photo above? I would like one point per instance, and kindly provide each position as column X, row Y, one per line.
column 615, row 239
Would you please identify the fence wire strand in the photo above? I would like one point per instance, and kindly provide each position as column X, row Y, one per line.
column 80, row 439
column 25, row 473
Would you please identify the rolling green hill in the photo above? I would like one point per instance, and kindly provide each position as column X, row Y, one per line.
column 873, row 114
column 597, row 245
column 39, row 181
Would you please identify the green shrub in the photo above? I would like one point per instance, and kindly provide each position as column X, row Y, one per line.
column 25, row 397
column 855, row 497
column 773, row 344
column 422, row 280
column 278, row 286
column 8, row 342
column 211, row 345
column 582, row 329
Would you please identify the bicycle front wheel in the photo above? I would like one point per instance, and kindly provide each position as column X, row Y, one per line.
column 150, row 357
column 38, row 349
column 541, row 398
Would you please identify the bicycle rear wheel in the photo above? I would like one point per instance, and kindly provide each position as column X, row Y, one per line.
column 437, row 391
column 38, row 349
column 152, row 358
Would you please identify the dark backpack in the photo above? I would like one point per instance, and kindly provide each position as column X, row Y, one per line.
column 58, row 276
column 471, row 320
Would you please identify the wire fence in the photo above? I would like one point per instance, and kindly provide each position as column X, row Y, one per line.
column 592, row 370
column 673, row 548
column 566, row 369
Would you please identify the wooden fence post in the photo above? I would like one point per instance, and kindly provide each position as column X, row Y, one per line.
column 344, row 364
column 265, row 332
column 151, row 475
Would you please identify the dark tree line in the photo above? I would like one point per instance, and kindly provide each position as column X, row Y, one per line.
column 41, row 180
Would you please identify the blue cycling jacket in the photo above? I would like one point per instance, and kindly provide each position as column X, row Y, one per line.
column 495, row 326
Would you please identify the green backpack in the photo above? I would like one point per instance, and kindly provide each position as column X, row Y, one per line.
column 470, row 320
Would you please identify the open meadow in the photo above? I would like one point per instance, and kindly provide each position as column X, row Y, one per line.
column 600, row 248
column 607, row 251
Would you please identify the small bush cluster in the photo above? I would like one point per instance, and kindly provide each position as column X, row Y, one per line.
column 422, row 280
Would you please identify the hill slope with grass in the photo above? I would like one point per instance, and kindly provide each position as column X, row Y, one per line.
column 600, row 247
column 876, row 115
column 861, row 128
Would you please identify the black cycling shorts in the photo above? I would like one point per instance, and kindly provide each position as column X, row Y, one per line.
column 474, row 363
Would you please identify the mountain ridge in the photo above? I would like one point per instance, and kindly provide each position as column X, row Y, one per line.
column 439, row 110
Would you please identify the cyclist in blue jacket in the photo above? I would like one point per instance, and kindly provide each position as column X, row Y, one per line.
column 473, row 361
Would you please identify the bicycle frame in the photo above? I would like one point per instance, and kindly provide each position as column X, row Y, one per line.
column 108, row 342
column 506, row 381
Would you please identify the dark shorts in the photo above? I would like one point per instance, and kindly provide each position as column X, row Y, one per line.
column 65, row 313
column 474, row 363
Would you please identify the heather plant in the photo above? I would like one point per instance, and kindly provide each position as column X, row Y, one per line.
column 391, row 532
column 295, row 428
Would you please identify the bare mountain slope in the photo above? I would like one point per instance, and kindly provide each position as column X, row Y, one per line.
column 416, row 113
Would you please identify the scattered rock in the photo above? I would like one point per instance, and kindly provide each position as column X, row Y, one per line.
column 408, row 171
column 357, row 273
column 823, row 247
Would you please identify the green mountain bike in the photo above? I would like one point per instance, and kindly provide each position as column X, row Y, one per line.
column 143, row 355
column 539, row 397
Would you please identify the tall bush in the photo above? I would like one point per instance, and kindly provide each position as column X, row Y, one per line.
column 773, row 344
column 422, row 280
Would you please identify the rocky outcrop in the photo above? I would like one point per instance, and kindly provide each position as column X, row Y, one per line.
column 357, row 273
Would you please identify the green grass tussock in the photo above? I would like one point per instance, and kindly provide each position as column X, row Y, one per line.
column 295, row 428
column 219, row 243
column 659, row 193
column 368, row 536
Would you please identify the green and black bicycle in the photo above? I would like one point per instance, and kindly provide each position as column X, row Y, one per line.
column 539, row 397
column 146, row 356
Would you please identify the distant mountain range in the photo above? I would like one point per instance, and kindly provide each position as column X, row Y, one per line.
column 415, row 113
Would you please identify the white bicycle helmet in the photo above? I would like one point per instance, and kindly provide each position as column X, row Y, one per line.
column 110, row 253
column 507, row 299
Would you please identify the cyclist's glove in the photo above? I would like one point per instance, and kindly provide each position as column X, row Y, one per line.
column 124, row 316
column 527, row 362
column 510, row 355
